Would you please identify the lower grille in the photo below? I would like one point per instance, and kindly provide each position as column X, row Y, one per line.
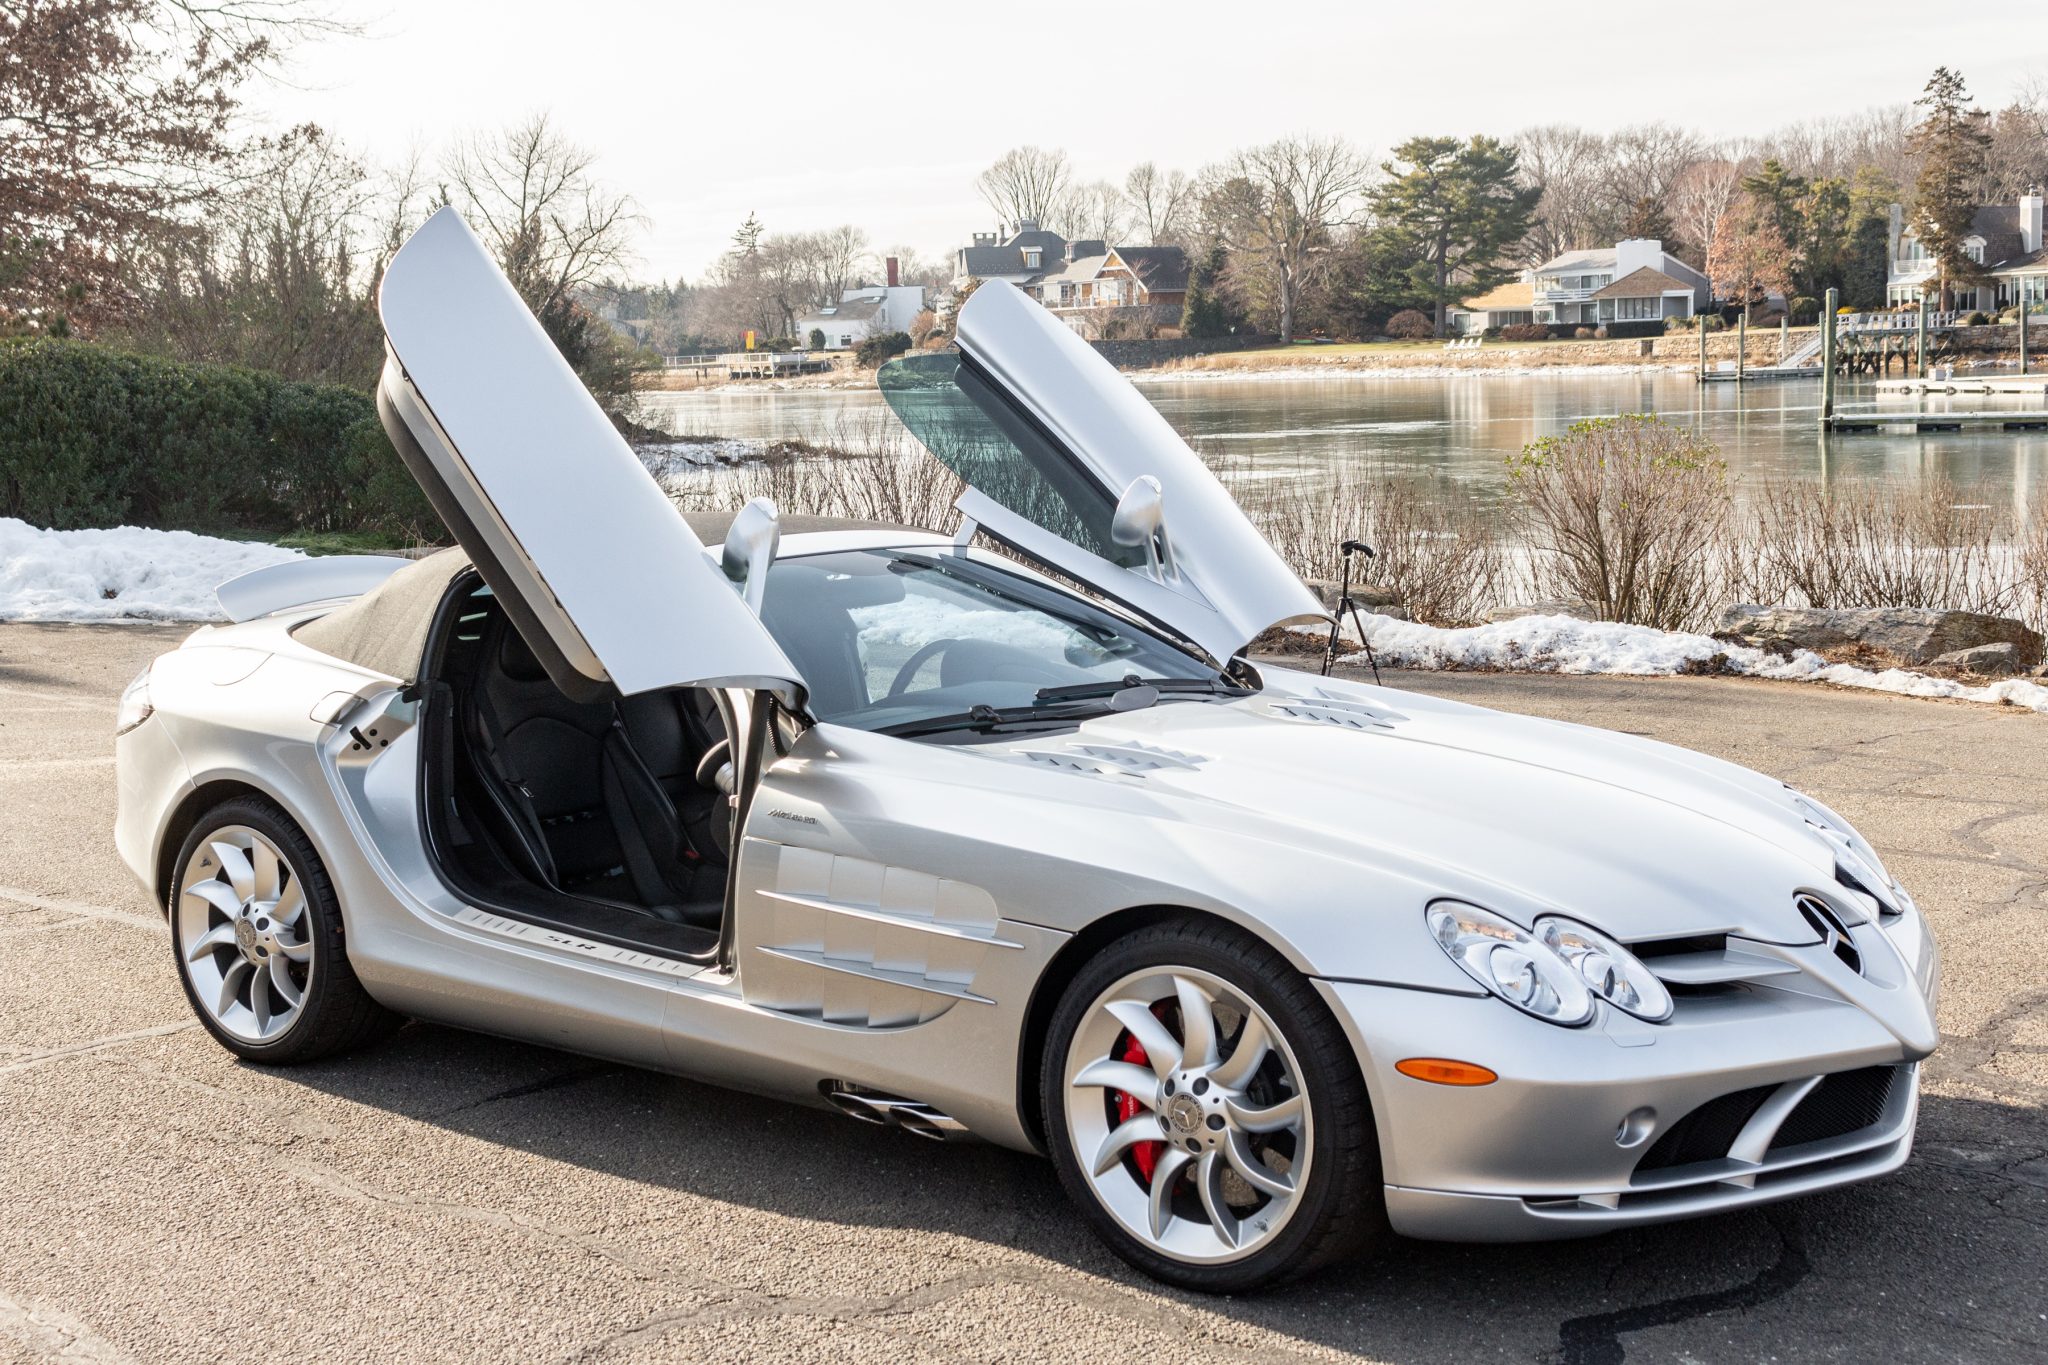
column 1843, row 1103
column 1707, row 1132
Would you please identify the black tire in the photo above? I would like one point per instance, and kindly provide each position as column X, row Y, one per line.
column 1343, row 1208
column 337, row 1014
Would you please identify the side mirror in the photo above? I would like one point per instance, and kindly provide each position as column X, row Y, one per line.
column 750, row 546
column 1140, row 519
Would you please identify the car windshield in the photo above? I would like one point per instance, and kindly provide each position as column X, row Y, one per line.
column 891, row 639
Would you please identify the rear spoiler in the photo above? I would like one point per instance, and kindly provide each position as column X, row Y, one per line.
column 298, row 582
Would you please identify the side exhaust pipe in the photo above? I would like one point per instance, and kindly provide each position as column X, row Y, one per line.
column 890, row 1111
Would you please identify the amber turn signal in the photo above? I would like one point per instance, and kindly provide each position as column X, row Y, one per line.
column 1443, row 1071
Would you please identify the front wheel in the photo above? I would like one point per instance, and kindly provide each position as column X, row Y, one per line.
column 1206, row 1114
column 257, row 933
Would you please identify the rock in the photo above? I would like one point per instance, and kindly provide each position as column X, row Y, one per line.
column 1914, row 635
column 1379, row 601
column 1584, row 611
column 1993, row 661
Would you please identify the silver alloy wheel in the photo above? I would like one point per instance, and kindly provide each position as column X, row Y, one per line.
column 1195, row 1138
column 241, row 930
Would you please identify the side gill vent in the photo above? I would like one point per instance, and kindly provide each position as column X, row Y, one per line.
column 1324, row 709
column 1128, row 760
column 1826, row 921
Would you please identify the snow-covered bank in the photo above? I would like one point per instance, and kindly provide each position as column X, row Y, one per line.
column 703, row 452
column 1333, row 370
column 1564, row 644
column 123, row 574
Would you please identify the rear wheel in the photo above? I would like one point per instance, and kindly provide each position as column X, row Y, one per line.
column 257, row 935
column 1206, row 1113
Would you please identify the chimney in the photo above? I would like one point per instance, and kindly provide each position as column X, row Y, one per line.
column 2030, row 220
column 895, row 275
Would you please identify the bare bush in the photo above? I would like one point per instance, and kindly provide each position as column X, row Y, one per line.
column 1437, row 551
column 861, row 465
column 1626, row 513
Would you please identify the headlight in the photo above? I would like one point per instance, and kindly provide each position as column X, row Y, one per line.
column 1509, row 961
column 135, row 707
column 1609, row 970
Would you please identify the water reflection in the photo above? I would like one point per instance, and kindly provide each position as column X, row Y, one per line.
column 1462, row 429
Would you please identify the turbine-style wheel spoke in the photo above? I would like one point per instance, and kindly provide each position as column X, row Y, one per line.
column 1252, row 1047
column 1136, row 1081
column 1143, row 1128
column 289, row 905
column 1256, row 1173
column 231, row 986
column 1271, row 1119
column 241, row 873
column 264, row 880
column 286, row 988
column 217, row 894
column 297, row 952
column 1209, row 1184
column 1164, row 1177
column 1197, row 1023
column 259, row 998
column 1162, row 1049
column 219, row 937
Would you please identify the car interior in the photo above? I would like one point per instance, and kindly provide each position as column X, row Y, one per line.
column 607, row 819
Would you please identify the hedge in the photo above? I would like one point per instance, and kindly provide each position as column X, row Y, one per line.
column 96, row 437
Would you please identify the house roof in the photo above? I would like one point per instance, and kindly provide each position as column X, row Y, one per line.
column 2029, row 261
column 982, row 262
column 1077, row 271
column 1513, row 294
column 850, row 310
column 1162, row 269
column 1644, row 283
column 1086, row 246
column 1594, row 257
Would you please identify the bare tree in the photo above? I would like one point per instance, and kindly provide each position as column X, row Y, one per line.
column 531, row 195
column 843, row 259
column 1698, row 199
column 933, row 272
column 1570, row 166
column 1160, row 203
column 1645, row 161
column 1277, row 209
column 1025, row 183
column 1096, row 210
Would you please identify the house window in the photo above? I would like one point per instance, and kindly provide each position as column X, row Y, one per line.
column 846, row 339
column 1634, row 310
column 1975, row 251
column 1032, row 255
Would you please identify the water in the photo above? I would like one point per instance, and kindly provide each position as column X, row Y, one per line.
column 1463, row 428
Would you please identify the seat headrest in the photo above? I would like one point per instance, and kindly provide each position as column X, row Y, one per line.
column 516, row 658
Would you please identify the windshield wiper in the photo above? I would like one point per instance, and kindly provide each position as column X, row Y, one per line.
column 1216, row 686
column 988, row 719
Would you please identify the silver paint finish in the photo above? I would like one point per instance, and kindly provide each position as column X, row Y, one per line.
column 239, row 922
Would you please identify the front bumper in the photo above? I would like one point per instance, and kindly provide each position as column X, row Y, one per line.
column 1561, row 1144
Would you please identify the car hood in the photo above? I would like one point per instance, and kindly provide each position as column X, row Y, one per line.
column 1637, row 838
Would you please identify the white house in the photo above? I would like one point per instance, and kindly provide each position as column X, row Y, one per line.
column 2004, row 238
column 1634, row 281
column 864, row 311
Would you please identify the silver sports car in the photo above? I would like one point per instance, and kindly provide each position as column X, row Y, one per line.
column 1017, row 846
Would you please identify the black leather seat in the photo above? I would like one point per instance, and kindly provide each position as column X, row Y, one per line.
column 581, row 811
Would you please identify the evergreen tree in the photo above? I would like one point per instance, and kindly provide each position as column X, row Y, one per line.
column 1778, row 195
column 1646, row 220
column 1952, row 142
column 1464, row 205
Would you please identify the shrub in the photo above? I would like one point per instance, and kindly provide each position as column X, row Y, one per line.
column 94, row 437
column 1583, row 333
column 872, row 351
column 1410, row 325
column 1974, row 320
column 1624, row 513
column 1803, row 307
column 1525, row 331
column 817, row 338
column 1713, row 322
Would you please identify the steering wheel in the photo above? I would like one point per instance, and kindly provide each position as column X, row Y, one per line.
column 925, row 655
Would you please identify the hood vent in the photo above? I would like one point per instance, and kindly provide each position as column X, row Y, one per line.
column 1826, row 921
column 1121, row 760
column 1705, row 963
column 1345, row 712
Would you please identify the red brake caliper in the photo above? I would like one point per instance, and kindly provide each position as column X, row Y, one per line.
column 1146, row 1154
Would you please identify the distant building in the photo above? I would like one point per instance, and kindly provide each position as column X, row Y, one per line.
column 864, row 311
column 1504, row 306
column 1095, row 288
column 2004, row 238
column 1634, row 281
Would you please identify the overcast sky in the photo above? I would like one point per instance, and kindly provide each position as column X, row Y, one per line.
column 881, row 114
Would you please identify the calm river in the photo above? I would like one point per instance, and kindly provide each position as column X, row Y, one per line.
column 1463, row 428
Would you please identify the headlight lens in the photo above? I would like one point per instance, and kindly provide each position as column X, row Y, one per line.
column 1510, row 962
column 135, row 707
column 1609, row 970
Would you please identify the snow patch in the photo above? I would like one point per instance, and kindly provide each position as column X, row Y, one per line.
column 1564, row 644
column 126, row 573
column 682, row 454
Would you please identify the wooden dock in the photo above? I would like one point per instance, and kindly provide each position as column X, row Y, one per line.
column 1980, row 420
column 1757, row 372
column 2028, row 385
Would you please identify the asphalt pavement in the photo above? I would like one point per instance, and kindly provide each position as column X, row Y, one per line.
column 447, row 1196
